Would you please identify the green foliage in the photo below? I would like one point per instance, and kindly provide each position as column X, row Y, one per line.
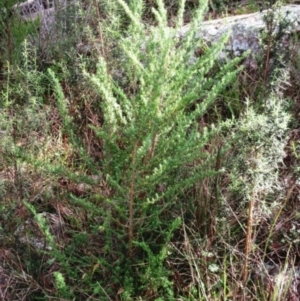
column 152, row 116
column 13, row 32
column 60, row 282
column 125, row 151
column 156, row 276
column 261, row 139
column 150, row 131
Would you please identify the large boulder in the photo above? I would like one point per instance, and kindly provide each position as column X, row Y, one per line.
column 244, row 30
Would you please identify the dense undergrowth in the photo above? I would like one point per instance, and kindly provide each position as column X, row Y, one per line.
column 128, row 173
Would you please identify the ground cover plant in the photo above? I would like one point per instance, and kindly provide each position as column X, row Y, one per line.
column 128, row 173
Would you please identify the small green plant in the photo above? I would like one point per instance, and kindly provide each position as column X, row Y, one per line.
column 272, row 38
column 13, row 32
column 60, row 282
column 150, row 134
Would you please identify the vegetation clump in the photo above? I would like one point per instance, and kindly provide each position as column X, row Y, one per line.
column 125, row 172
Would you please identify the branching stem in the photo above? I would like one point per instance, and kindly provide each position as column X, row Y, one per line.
column 131, row 201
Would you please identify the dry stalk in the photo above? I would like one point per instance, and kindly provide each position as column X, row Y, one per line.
column 153, row 146
column 248, row 245
column 9, row 43
column 267, row 63
column 270, row 27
